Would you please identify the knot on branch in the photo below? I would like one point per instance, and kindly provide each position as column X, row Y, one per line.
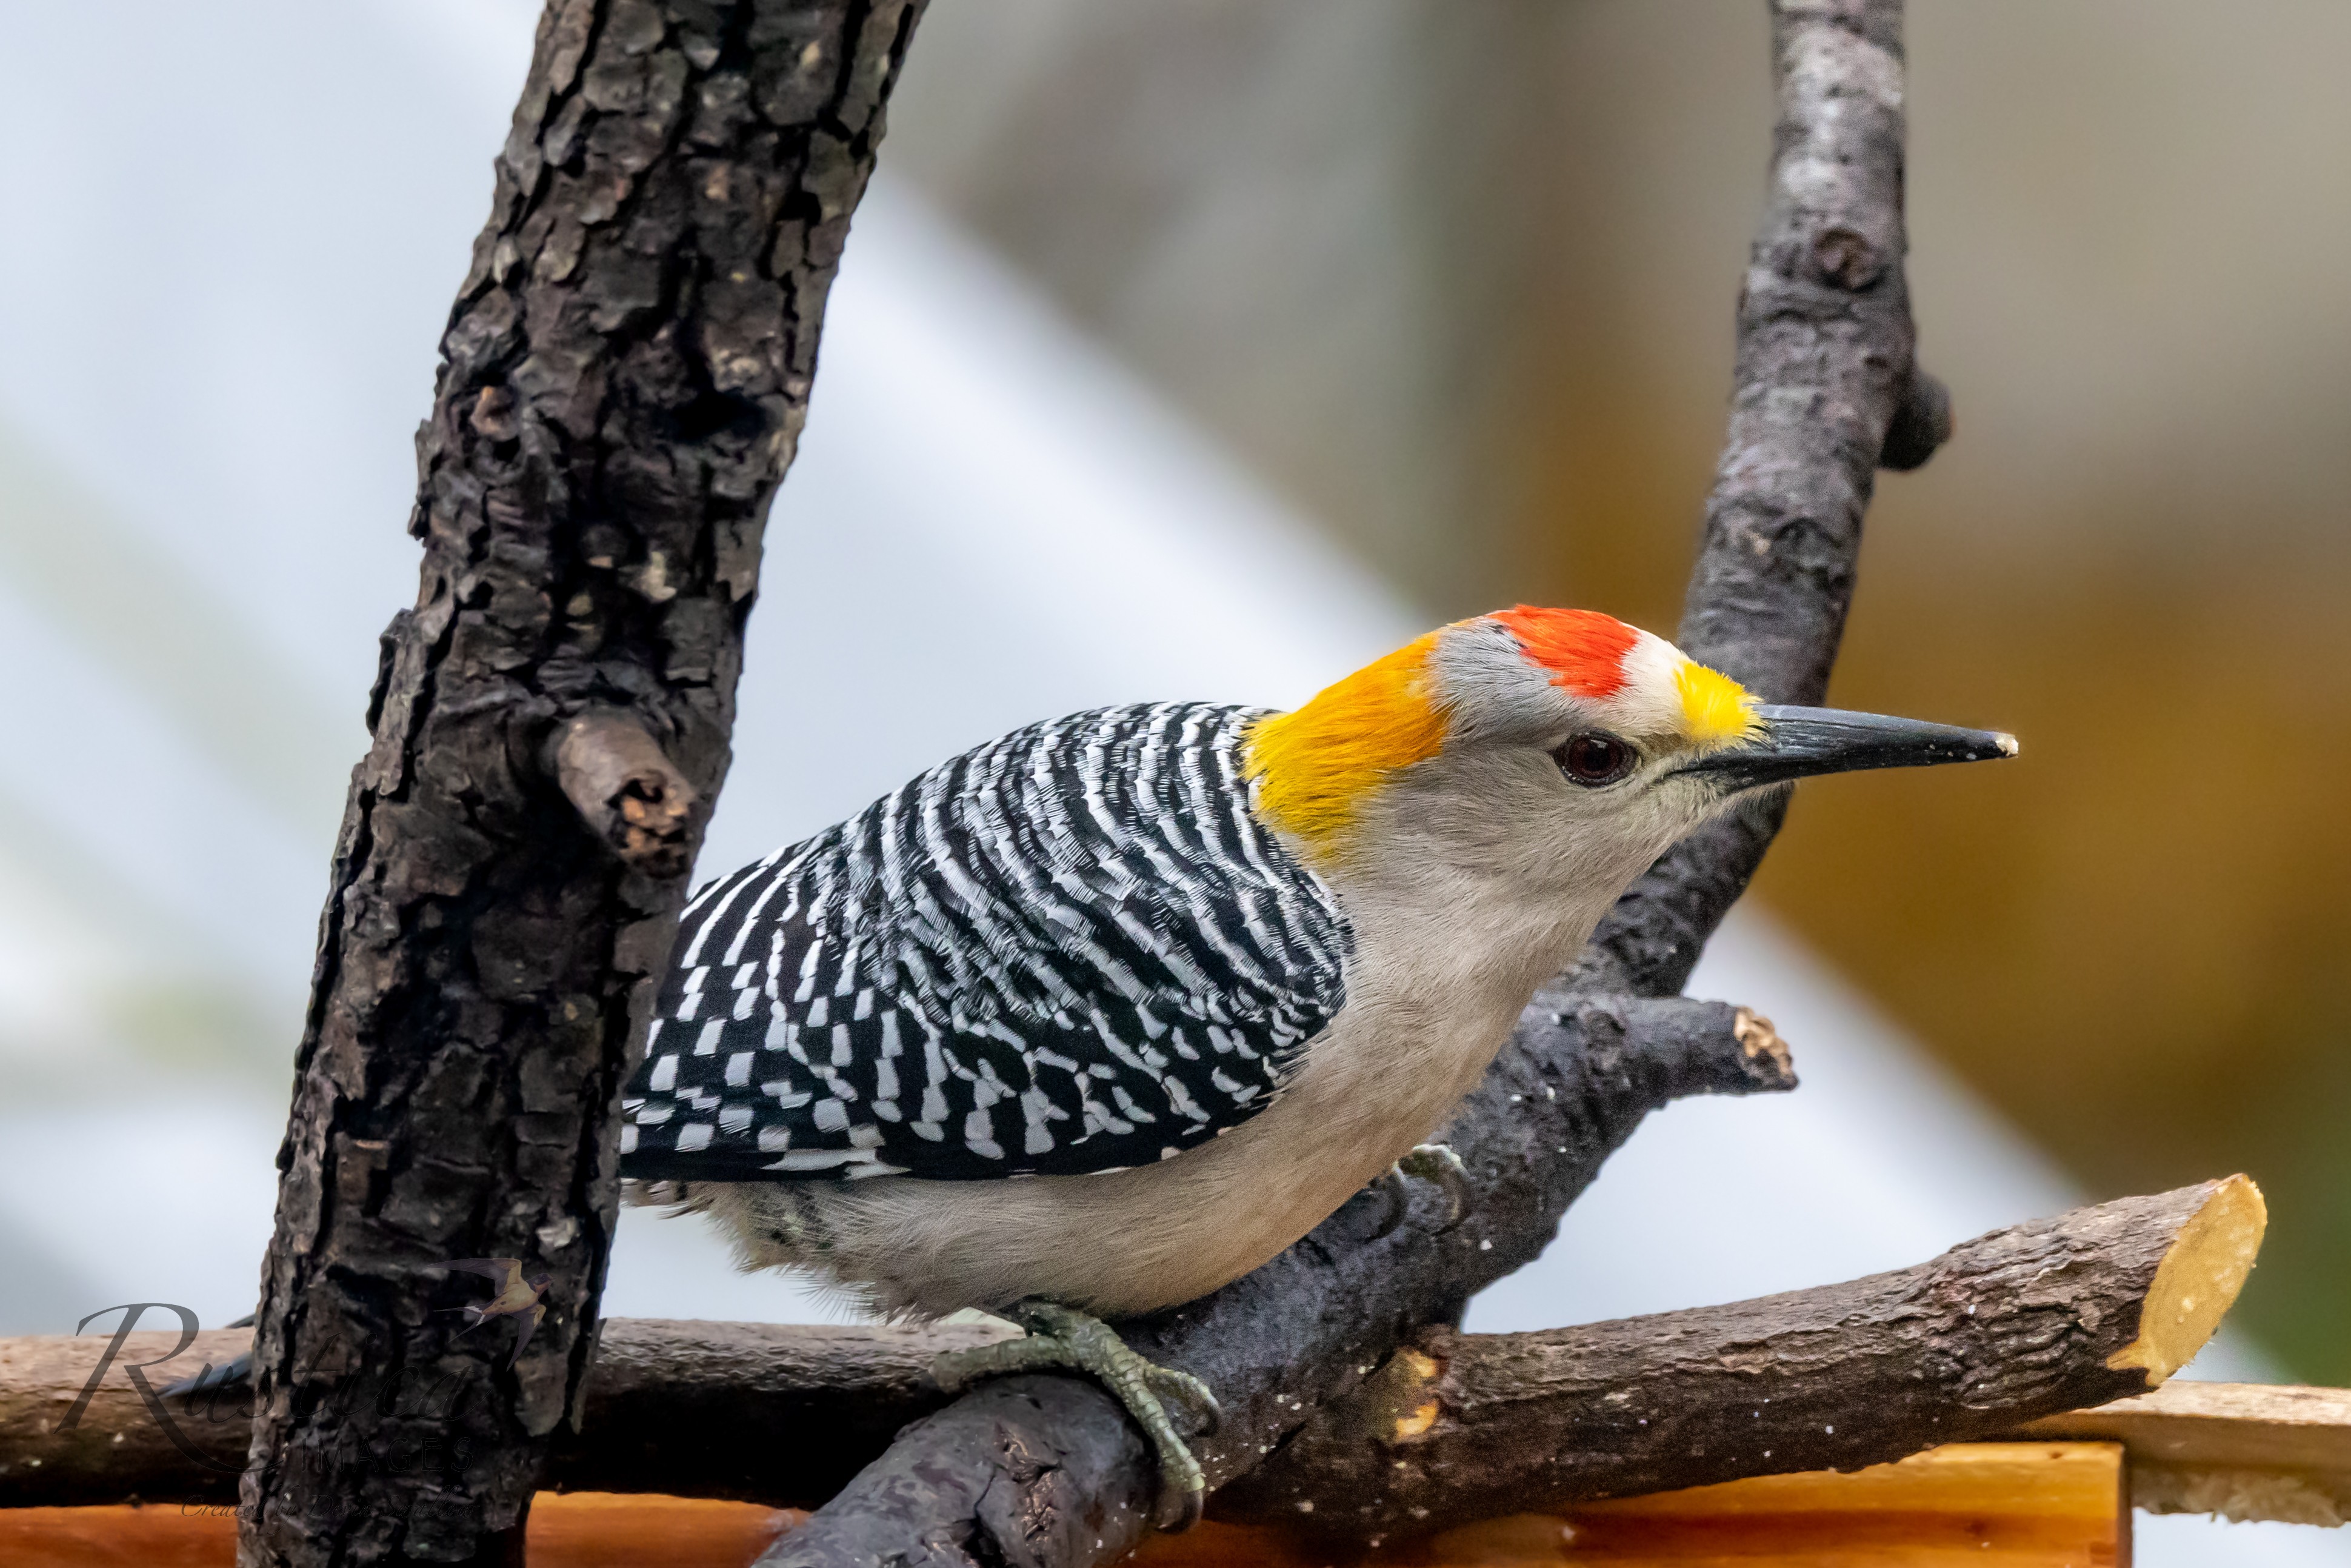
column 630, row 795
column 495, row 415
column 1845, row 259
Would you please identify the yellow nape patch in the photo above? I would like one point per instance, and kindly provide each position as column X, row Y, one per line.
column 1716, row 709
column 1315, row 766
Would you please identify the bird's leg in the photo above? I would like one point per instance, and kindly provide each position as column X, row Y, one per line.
column 1061, row 1339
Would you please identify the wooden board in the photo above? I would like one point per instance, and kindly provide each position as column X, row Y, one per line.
column 1999, row 1505
column 2004, row 1505
column 2242, row 1450
column 576, row 1530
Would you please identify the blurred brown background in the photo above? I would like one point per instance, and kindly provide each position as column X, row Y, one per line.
column 1459, row 275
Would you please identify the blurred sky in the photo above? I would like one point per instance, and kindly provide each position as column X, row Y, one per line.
column 1339, row 383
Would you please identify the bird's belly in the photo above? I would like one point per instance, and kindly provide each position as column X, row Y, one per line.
column 1131, row 1241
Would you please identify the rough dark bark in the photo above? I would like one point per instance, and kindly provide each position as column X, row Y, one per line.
column 1018, row 1471
column 624, row 376
column 2014, row 1325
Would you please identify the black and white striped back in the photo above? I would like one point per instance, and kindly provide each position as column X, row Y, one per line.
column 1071, row 950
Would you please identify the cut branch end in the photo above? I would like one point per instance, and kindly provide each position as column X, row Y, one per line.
column 2197, row 1280
column 1459, row 1428
column 630, row 795
column 1762, row 1045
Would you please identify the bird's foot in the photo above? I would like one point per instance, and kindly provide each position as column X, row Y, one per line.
column 1433, row 1163
column 1061, row 1339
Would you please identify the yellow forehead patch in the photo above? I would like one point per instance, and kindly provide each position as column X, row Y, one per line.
column 1716, row 709
column 1313, row 768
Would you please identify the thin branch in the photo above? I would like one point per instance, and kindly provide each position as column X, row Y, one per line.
column 1453, row 1428
column 75, row 1430
column 1826, row 388
column 2052, row 1315
column 624, row 377
column 758, row 1412
column 1036, row 1470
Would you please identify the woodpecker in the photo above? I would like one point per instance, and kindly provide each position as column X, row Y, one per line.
column 1109, row 1011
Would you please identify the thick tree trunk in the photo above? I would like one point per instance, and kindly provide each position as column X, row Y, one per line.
column 1039, row 1470
column 624, row 376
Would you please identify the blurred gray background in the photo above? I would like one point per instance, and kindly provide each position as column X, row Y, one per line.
column 1197, row 347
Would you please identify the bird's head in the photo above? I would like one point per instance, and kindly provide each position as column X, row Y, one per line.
column 1558, row 743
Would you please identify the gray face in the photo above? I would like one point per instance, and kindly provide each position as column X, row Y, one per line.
column 1572, row 793
column 1546, row 794
column 1652, row 793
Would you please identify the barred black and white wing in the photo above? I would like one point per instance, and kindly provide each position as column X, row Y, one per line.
column 1071, row 950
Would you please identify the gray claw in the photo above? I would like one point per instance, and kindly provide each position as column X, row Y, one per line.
column 1063, row 1339
column 1208, row 1415
column 1394, row 1201
column 1438, row 1164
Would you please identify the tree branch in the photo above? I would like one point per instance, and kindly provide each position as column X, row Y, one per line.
column 2054, row 1315
column 2041, row 1317
column 624, row 376
column 1042, row 1471
column 1826, row 388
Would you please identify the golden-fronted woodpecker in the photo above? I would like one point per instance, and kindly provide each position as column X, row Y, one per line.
column 1193, row 973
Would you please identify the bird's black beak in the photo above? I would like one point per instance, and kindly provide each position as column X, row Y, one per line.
column 1799, row 742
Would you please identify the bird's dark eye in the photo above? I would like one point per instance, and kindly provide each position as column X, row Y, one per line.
column 1594, row 760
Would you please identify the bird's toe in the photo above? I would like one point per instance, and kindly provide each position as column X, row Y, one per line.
column 1168, row 1383
column 1061, row 1339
